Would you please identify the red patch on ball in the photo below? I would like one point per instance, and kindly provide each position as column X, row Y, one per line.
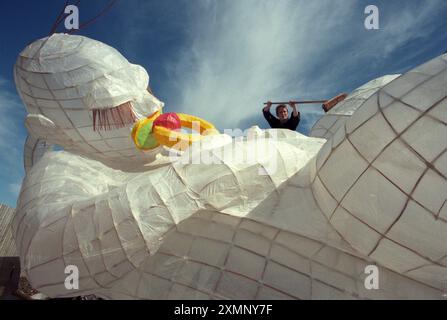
column 168, row 120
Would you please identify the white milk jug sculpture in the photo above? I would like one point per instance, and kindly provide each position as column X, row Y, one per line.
column 274, row 215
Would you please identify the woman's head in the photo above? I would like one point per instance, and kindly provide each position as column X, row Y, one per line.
column 282, row 113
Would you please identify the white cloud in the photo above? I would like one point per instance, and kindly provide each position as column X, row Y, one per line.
column 14, row 188
column 10, row 111
column 12, row 136
column 243, row 53
column 246, row 52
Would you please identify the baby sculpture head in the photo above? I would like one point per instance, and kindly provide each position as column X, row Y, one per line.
column 85, row 96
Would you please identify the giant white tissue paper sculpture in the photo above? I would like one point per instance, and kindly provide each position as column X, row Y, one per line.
column 274, row 215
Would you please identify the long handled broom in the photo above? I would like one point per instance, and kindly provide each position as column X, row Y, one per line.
column 327, row 104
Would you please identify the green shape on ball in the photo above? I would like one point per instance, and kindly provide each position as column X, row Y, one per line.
column 145, row 138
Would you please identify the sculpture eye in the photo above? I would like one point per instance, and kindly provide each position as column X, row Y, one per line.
column 113, row 118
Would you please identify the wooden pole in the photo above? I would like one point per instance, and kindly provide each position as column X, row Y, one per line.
column 300, row 102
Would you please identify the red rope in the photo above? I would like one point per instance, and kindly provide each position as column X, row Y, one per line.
column 61, row 17
column 58, row 19
column 103, row 11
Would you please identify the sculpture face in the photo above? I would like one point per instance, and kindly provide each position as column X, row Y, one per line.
column 71, row 83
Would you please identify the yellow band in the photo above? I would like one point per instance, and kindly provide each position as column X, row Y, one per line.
column 181, row 141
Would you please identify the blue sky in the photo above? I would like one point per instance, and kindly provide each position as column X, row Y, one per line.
column 220, row 59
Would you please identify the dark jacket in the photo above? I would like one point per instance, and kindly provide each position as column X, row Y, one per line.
column 274, row 122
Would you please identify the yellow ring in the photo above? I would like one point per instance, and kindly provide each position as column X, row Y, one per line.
column 181, row 141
